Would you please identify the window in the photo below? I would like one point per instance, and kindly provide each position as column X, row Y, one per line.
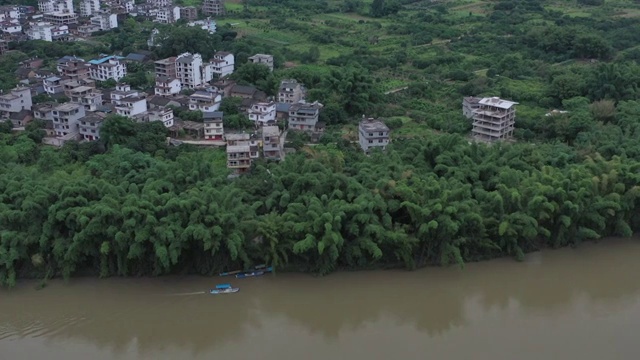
column 370, row 141
column 380, row 140
column 370, row 134
column 381, row 133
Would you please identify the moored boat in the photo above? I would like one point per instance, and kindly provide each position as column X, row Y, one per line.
column 224, row 289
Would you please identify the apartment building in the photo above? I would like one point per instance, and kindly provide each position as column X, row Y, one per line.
column 304, row 116
column 213, row 7
column 204, row 101
column 74, row 69
column 86, row 96
column 223, row 63
column 61, row 18
column 110, row 67
column 213, row 127
column 165, row 115
column 242, row 149
column 189, row 70
column 53, row 85
column 291, row 91
column 166, row 67
column 494, row 119
column 189, row 13
column 89, row 126
column 15, row 101
column 128, row 102
column 89, row 7
column 66, row 118
column 271, row 143
column 168, row 15
column 104, row 21
column 373, row 133
column 50, row 6
column 167, row 86
column 264, row 59
column 262, row 113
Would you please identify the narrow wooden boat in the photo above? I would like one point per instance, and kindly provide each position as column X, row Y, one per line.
column 224, row 289
column 255, row 268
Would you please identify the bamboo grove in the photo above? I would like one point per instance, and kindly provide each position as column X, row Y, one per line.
column 120, row 211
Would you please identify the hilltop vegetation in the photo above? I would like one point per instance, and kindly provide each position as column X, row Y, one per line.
column 128, row 205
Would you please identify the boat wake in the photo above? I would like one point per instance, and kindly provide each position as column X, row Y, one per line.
column 188, row 293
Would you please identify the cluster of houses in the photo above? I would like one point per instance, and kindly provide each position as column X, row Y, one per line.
column 65, row 20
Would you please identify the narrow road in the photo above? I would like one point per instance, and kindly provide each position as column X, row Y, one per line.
column 396, row 90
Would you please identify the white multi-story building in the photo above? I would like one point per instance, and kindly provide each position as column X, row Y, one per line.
column 189, row 70
column 263, row 113
column 9, row 12
column 66, row 118
column 165, row 115
column 11, row 26
column 14, row 101
column 89, row 7
column 58, row 6
column 373, row 133
column 204, row 101
column 304, row 116
column 166, row 86
column 105, row 21
column 40, row 31
column 110, row 67
column 223, row 63
column 168, row 15
column 129, row 103
column 291, row 91
column 213, row 127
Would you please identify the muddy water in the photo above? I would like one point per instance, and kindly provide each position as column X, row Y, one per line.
column 565, row 304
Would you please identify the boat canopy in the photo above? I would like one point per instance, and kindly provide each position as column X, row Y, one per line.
column 223, row 286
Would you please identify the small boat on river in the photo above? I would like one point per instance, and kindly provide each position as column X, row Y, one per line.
column 255, row 268
column 243, row 275
column 224, row 289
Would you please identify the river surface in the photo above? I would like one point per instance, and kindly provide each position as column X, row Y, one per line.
column 564, row 304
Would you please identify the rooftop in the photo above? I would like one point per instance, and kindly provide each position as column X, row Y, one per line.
column 212, row 116
column 105, row 59
column 270, row 131
column 93, row 118
column 373, row 125
column 497, row 102
column 237, row 136
column 238, row 148
column 67, row 107
column 244, row 89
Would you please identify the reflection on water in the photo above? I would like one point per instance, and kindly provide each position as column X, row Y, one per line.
column 581, row 303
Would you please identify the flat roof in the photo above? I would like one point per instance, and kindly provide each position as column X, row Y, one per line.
column 67, row 107
column 373, row 125
column 238, row 148
column 270, row 131
column 497, row 102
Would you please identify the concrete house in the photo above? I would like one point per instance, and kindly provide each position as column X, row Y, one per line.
column 494, row 119
column 271, row 143
column 128, row 102
column 110, row 67
column 204, row 101
column 189, row 70
column 14, row 101
column 189, row 12
column 223, row 63
column 167, row 86
column 372, row 133
column 74, row 69
column 213, row 7
column 168, row 15
column 166, row 67
column 470, row 103
column 53, row 85
column 304, row 116
column 164, row 115
column 290, row 91
column 86, row 96
column 89, row 126
column 105, row 21
column 66, row 118
column 242, row 149
column 264, row 59
column 213, row 127
column 89, row 7
column 263, row 113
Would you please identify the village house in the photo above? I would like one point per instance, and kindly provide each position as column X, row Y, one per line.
column 189, row 12
column 223, row 63
column 470, row 103
column 51, row 6
column 168, row 15
column 271, row 143
column 373, row 133
column 21, row 118
column 242, row 149
column 159, row 3
column 74, row 69
column 167, row 86
column 104, row 21
column 10, row 27
column 304, row 116
column 264, row 59
column 191, row 72
column 164, row 115
column 129, row 103
column 282, row 111
column 66, row 118
column 69, row 85
column 61, row 18
column 166, row 67
column 207, row 25
column 47, row 32
column 291, row 91
column 44, row 111
column 224, row 86
column 263, row 113
column 213, row 128
column 494, row 119
column 243, row 91
column 89, row 126
column 204, row 101
column 53, row 85
column 15, row 101
column 86, row 96
column 213, row 7
column 110, row 67
column 89, row 7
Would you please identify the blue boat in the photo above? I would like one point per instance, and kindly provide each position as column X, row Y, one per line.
column 253, row 273
column 224, row 289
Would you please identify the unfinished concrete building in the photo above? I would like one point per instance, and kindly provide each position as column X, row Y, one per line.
column 494, row 119
column 213, row 7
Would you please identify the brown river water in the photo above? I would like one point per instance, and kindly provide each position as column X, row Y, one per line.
column 564, row 304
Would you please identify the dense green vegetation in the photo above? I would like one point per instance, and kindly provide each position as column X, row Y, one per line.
column 129, row 205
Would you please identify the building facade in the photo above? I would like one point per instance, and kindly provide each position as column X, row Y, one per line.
column 223, row 63
column 189, row 70
column 271, row 144
column 165, row 115
column 494, row 119
column 89, row 126
column 373, row 133
column 89, row 7
column 470, row 103
column 128, row 102
column 213, row 127
column 291, row 91
column 107, row 68
column 204, row 101
column 14, row 101
column 242, row 149
column 263, row 113
column 105, row 21
column 66, row 118
column 166, row 86
column 189, row 13
column 86, row 96
column 213, row 7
